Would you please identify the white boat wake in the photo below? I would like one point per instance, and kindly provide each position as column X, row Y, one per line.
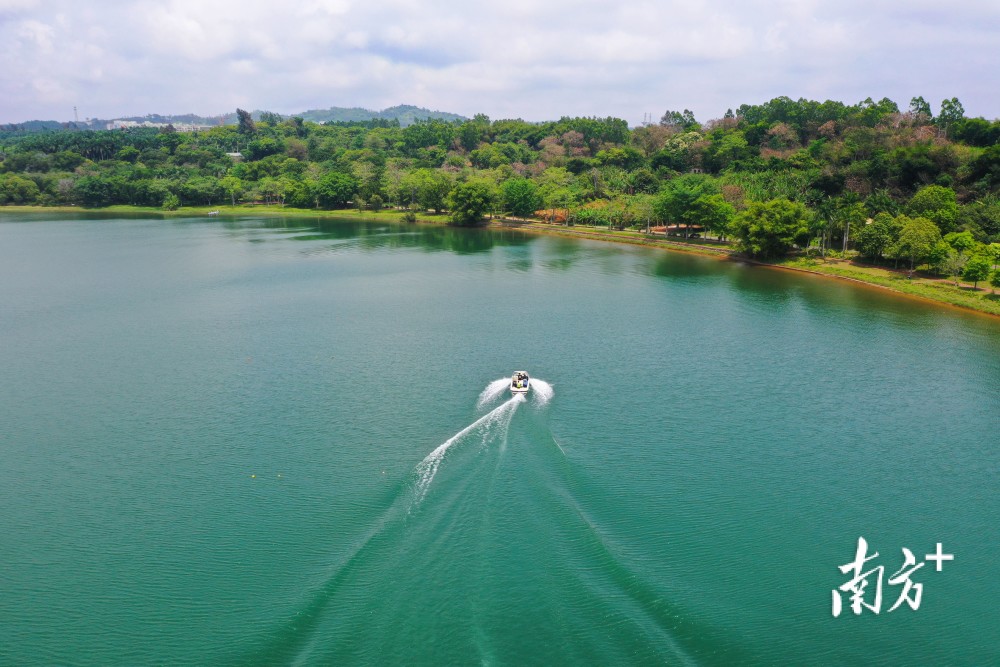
column 492, row 391
column 541, row 392
column 493, row 424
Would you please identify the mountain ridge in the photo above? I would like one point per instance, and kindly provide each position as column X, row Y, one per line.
column 406, row 114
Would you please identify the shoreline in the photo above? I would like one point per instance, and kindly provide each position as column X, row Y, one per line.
column 980, row 303
column 924, row 289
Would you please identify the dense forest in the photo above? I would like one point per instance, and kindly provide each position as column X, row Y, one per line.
column 895, row 186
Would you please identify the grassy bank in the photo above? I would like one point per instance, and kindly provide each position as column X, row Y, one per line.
column 979, row 298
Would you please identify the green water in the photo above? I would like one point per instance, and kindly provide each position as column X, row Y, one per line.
column 262, row 441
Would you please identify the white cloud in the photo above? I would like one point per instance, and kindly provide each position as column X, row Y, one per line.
column 37, row 35
column 16, row 6
column 520, row 58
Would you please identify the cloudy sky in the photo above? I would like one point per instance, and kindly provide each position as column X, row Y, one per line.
column 531, row 59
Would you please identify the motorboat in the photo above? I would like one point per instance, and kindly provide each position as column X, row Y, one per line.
column 519, row 383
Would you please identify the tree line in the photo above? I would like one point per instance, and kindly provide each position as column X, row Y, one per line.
column 895, row 185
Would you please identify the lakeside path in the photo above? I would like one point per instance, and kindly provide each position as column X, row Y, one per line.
column 940, row 291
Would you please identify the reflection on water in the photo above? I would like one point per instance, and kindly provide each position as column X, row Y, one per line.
column 373, row 235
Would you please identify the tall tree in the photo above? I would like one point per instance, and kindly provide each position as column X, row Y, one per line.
column 995, row 280
column 976, row 269
column 952, row 111
column 232, row 186
column 676, row 201
column 473, row 132
column 469, row 201
column 936, row 203
column 917, row 239
column 962, row 242
column 712, row 213
column 270, row 118
column 335, row 189
column 246, row 124
column 769, row 229
column 428, row 187
column 874, row 239
column 520, row 196
column 920, row 108
column 848, row 215
column 679, row 120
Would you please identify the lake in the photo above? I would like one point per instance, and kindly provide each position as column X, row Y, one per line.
column 288, row 441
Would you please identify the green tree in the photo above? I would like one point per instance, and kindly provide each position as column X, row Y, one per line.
column 769, row 229
column 936, row 203
column 976, row 132
column 520, row 196
column 851, row 215
column 679, row 120
column 676, row 201
column 147, row 192
column 976, row 269
column 428, row 187
column 245, row 121
column 171, row 202
column 952, row 112
column 941, row 255
column 995, row 280
column 729, row 148
column 951, row 262
column 129, row 154
column 712, row 213
column 487, row 157
column 474, row 132
column 982, row 218
column 985, row 168
column 262, row 147
column 679, row 153
column 642, row 209
column 875, row 238
column 642, row 181
column 272, row 189
column 962, row 242
column 469, row 201
column 823, row 222
column 917, row 239
column 335, row 189
column 232, row 186
column 16, row 189
column 270, row 118
column 626, row 157
column 919, row 107
column 67, row 160
column 95, row 191
column 993, row 252
column 369, row 177
column 201, row 190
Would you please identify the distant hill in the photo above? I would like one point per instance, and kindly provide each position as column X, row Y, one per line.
column 40, row 126
column 406, row 114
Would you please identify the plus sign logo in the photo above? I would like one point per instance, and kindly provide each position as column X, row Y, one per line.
column 865, row 586
column 939, row 557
